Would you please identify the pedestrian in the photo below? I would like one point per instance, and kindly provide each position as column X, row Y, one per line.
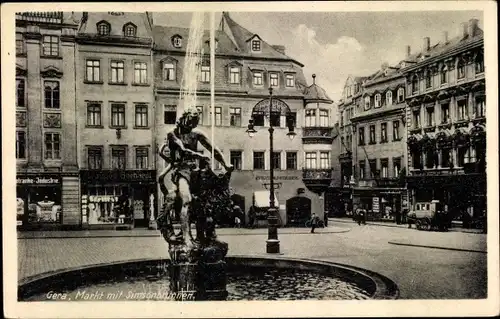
column 314, row 222
column 251, row 217
column 238, row 214
column 237, row 222
column 326, row 218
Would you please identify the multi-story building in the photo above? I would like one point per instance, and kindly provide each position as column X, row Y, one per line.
column 246, row 66
column 379, row 144
column 445, row 119
column 46, row 149
column 116, row 117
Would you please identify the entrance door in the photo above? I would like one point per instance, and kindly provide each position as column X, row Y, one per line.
column 140, row 206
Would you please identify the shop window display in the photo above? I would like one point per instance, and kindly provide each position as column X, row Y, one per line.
column 38, row 205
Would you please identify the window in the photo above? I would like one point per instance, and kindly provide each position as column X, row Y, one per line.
column 462, row 110
column 205, row 74
column 342, row 118
column 311, row 158
column 234, row 75
column 323, row 118
column 324, row 160
column 52, row 94
column 470, row 155
column 257, row 78
column 52, row 146
column 118, row 115
column 291, row 160
column 445, row 157
column 141, row 115
column 361, row 134
column 372, row 134
column 275, row 119
column 388, row 98
column 258, row 119
column 461, row 152
column 479, row 63
column 20, row 145
column 169, row 114
column 362, row 168
column 19, row 43
column 292, row 116
column 118, row 158
column 378, row 100
column 168, row 71
column 444, row 75
column 235, row 116
column 255, row 45
column 103, row 28
column 428, row 80
column 373, row 168
column 290, row 80
column 445, row 113
column 310, row 118
column 384, row 168
column 117, row 68
column 177, row 41
column 50, row 45
column 396, row 166
column 140, row 73
column 414, row 85
column 416, row 119
column 94, row 114
column 258, row 160
column 367, row 103
column 273, row 79
column 429, row 158
column 416, row 159
column 236, row 159
column 401, row 95
column 20, row 92
column 277, row 160
column 480, row 106
column 129, row 30
column 218, row 116
column 141, row 157
column 94, row 158
column 395, row 131
column 461, row 69
column 199, row 109
column 383, row 132
column 93, row 70
column 429, row 121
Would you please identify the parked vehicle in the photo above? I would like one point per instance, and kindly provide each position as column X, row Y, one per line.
column 429, row 216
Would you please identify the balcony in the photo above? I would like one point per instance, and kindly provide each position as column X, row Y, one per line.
column 317, row 135
column 317, row 180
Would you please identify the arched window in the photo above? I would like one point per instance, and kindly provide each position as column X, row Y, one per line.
column 461, row 69
column 129, row 30
column 103, row 28
column 479, row 63
column 401, row 95
column 388, row 98
column 444, row 74
column 169, row 70
column 378, row 100
column 367, row 102
column 414, row 85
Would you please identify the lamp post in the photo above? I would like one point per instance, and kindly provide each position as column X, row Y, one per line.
column 275, row 107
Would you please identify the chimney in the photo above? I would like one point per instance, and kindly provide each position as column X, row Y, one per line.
column 472, row 27
column 408, row 51
column 445, row 37
column 426, row 44
column 463, row 29
column 279, row 48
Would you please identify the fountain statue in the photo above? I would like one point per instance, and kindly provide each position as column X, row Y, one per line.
column 197, row 264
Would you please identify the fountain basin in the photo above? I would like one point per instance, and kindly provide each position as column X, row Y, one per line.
column 249, row 278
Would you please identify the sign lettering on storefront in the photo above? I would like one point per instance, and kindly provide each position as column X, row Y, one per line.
column 278, row 178
column 118, row 176
column 39, row 180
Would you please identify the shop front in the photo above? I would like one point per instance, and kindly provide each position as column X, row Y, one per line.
column 380, row 204
column 39, row 201
column 113, row 199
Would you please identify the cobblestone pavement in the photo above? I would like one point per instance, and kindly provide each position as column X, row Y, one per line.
column 421, row 273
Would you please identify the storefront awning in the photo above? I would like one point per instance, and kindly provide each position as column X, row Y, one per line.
column 261, row 199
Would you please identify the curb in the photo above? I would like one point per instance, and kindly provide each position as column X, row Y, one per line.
column 438, row 247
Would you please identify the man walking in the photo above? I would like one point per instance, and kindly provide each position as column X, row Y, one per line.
column 314, row 222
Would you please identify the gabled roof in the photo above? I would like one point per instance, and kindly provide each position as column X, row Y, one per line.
column 316, row 94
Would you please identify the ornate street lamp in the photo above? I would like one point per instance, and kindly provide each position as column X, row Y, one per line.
column 270, row 108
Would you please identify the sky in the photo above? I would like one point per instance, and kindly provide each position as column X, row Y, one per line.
column 334, row 45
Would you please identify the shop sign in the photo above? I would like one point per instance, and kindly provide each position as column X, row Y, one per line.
column 375, row 204
column 39, row 180
column 104, row 176
column 277, row 178
column 102, row 199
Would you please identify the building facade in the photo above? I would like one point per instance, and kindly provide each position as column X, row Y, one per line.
column 116, row 119
column 46, row 128
column 245, row 68
column 446, row 118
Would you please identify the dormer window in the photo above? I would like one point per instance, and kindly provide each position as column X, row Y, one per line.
column 403, row 65
column 273, row 79
column 378, row 100
column 103, row 28
column 388, row 98
column 367, row 102
column 401, row 95
column 177, row 41
column 129, row 30
column 256, row 45
column 290, row 80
